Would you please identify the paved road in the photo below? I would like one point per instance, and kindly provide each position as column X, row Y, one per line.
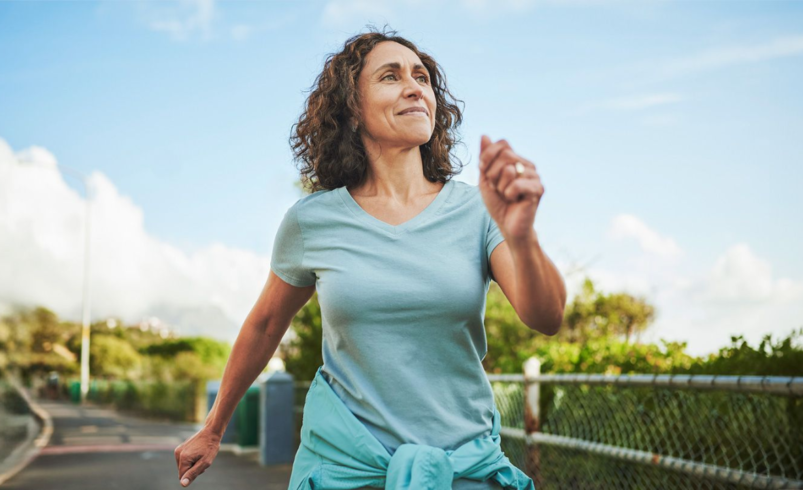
column 96, row 448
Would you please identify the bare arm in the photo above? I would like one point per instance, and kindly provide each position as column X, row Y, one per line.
column 531, row 282
column 258, row 339
column 256, row 343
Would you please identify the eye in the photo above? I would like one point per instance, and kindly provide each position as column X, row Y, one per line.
column 426, row 78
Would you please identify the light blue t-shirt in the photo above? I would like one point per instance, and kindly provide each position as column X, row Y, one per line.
column 402, row 310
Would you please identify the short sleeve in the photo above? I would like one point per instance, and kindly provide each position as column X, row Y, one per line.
column 287, row 259
column 492, row 239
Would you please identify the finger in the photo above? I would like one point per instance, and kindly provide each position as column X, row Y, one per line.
column 509, row 174
column 506, row 158
column 506, row 177
column 186, row 464
column 490, row 152
column 194, row 472
column 484, row 142
column 524, row 189
column 177, row 454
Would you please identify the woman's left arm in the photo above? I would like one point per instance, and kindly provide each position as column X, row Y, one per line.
column 531, row 283
column 529, row 279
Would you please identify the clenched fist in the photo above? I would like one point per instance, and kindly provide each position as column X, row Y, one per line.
column 195, row 455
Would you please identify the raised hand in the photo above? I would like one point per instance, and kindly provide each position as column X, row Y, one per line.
column 512, row 198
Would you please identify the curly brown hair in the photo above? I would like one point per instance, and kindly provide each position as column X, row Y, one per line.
column 330, row 154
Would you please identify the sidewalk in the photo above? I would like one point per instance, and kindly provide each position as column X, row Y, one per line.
column 97, row 448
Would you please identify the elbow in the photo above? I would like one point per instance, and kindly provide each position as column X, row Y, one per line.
column 550, row 330
column 547, row 326
column 555, row 330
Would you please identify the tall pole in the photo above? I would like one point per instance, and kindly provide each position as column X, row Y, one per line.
column 86, row 300
column 86, row 290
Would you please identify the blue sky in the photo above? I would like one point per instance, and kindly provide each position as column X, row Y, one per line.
column 667, row 135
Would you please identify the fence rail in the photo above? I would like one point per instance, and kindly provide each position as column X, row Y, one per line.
column 779, row 385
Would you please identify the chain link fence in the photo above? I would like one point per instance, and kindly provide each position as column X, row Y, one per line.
column 653, row 431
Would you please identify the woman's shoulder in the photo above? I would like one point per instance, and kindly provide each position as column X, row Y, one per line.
column 320, row 198
column 464, row 195
column 465, row 187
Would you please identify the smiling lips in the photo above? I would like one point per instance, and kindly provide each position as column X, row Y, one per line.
column 414, row 111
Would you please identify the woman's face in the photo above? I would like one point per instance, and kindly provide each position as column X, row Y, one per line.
column 392, row 80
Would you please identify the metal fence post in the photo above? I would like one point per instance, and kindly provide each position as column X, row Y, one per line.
column 277, row 419
column 532, row 417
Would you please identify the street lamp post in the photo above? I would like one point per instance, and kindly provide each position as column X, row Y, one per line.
column 86, row 290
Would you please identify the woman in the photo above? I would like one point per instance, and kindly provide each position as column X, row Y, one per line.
column 402, row 257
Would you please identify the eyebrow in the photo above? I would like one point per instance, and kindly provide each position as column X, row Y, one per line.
column 397, row 66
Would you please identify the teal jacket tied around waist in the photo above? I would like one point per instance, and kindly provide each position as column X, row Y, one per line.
column 338, row 452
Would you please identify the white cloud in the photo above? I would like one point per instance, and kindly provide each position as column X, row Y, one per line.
column 740, row 278
column 181, row 20
column 629, row 226
column 654, row 71
column 737, row 295
column 133, row 275
column 732, row 55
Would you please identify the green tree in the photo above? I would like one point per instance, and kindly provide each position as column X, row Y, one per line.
column 303, row 355
column 113, row 357
column 211, row 352
column 594, row 315
column 510, row 342
column 781, row 358
column 31, row 341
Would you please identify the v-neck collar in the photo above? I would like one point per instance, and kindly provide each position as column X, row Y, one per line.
column 396, row 230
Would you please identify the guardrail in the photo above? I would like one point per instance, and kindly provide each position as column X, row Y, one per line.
column 38, row 429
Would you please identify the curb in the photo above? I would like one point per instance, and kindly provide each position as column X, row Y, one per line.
column 31, row 448
column 237, row 449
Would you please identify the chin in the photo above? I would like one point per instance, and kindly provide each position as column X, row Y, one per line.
column 420, row 139
column 412, row 139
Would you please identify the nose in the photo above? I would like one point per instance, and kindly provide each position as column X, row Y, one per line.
column 413, row 88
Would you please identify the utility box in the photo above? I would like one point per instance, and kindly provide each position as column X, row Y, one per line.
column 277, row 419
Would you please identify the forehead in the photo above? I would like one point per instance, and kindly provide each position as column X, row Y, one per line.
column 390, row 51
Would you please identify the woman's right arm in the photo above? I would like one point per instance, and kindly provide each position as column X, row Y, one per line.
column 256, row 343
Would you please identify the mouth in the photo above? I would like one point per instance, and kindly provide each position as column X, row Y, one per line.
column 414, row 112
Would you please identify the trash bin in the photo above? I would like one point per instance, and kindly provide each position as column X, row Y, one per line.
column 248, row 418
column 75, row 392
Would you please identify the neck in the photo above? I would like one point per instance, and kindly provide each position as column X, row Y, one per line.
column 395, row 173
